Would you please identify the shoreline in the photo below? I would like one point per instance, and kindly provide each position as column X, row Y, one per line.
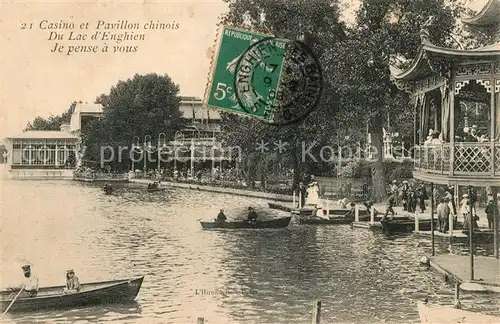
column 222, row 190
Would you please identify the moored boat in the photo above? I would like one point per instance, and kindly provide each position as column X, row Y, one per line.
column 95, row 293
column 445, row 315
column 273, row 223
column 154, row 189
column 324, row 221
column 481, row 235
column 406, row 225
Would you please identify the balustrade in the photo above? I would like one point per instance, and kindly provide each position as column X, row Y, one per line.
column 480, row 159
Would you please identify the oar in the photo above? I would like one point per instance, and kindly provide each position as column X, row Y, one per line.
column 12, row 302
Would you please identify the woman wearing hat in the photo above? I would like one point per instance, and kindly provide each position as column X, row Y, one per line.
column 464, row 205
column 72, row 283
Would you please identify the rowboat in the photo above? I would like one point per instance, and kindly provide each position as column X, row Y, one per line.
column 445, row 315
column 406, row 225
column 95, row 293
column 323, row 221
column 481, row 235
column 274, row 223
column 154, row 189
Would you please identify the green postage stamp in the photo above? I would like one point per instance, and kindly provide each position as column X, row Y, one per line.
column 277, row 81
column 231, row 53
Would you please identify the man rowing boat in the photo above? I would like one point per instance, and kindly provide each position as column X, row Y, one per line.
column 221, row 217
column 252, row 215
column 30, row 283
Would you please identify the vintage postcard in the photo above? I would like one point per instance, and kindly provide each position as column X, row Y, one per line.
column 250, row 161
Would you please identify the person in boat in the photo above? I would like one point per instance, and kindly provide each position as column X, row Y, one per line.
column 352, row 212
column 72, row 283
column 221, row 217
column 108, row 189
column 252, row 215
column 29, row 285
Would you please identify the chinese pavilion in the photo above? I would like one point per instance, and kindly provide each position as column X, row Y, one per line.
column 457, row 107
column 456, row 95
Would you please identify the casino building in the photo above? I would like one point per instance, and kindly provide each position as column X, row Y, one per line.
column 55, row 154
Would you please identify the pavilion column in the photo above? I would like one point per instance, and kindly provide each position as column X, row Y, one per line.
column 57, row 155
column 29, row 153
column 451, row 105
column 493, row 113
column 495, row 191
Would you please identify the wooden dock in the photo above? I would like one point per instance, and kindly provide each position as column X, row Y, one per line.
column 455, row 236
column 456, row 268
column 481, row 236
column 444, row 315
column 367, row 225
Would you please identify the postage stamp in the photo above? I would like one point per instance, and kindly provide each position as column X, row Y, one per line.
column 232, row 43
column 277, row 81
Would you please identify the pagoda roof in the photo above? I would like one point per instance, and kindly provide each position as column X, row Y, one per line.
column 487, row 16
column 421, row 66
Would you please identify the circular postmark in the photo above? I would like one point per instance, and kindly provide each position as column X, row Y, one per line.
column 278, row 81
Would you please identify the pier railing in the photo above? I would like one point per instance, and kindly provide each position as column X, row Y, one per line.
column 471, row 159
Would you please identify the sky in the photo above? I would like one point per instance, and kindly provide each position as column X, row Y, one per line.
column 34, row 81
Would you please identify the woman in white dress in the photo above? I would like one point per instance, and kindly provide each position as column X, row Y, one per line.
column 312, row 193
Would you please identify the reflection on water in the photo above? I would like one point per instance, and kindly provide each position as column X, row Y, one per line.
column 246, row 276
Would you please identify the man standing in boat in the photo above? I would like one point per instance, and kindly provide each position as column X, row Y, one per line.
column 30, row 283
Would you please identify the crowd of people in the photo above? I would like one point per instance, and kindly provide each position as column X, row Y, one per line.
column 413, row 197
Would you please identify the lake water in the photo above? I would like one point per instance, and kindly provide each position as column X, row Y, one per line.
column 247, row 276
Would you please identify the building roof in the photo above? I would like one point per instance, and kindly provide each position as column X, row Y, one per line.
column 43, row 135
column 487, row 16
column 421, row 66
column 88, row 108
column 194, row 108
column 492, row 47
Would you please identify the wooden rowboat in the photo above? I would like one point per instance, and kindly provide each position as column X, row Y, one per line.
column 274, row 223
column 449, row 315
column 154, row 189
column 91, row 294
column 406, row 225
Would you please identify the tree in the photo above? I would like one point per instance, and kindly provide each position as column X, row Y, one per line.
column 144, row 105
column 318, row 23
column 51, row 123
column 356, row 60
column 386, row 29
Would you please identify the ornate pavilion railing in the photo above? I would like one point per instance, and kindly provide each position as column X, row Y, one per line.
column 479, row 159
